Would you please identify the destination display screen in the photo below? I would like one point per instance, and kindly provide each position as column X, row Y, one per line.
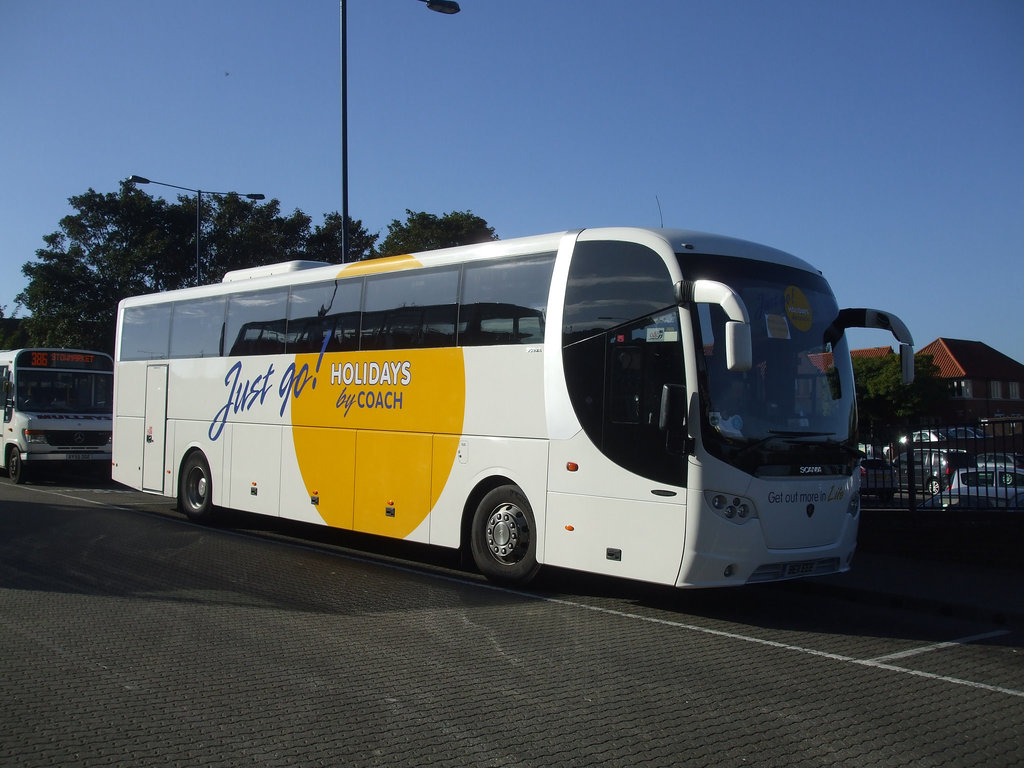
column 65, row 359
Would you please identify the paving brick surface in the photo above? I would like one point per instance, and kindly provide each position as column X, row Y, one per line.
column 130, row 639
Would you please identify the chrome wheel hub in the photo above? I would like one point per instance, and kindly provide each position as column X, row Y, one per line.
column 506, row 533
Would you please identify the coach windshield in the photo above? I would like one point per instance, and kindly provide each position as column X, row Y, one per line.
column 796, row 405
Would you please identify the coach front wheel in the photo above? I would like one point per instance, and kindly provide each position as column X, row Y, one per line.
column 503, row 537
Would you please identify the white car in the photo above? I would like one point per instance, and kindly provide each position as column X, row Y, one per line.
column 990, row 485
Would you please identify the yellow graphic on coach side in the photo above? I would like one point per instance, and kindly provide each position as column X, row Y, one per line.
column 374, row 434
column 376, row 444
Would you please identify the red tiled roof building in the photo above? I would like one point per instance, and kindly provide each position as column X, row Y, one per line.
column 983, row 383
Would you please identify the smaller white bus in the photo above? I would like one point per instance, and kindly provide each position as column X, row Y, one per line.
column 57, row 410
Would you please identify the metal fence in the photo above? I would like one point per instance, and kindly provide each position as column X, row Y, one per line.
column 946, row 466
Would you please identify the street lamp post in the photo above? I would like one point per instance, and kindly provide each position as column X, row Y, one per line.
column 441, row 6
column 199, row 205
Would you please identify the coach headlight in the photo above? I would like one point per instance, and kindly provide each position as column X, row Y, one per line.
column 34, row 436
column 735, row 509
column 853, row 509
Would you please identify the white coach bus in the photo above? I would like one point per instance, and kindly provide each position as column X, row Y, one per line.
column 57, row 410
column 660, row 405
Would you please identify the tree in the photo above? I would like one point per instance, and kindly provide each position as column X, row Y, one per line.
column 426, row 232
column 883, row 401
column 324, row 242
column 241, row 233
column 117, row 245
column 12, row 330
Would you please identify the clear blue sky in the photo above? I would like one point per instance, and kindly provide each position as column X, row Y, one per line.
column 881, row 140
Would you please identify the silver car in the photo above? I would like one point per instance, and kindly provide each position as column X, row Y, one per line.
column 987, row 486
column 878, row 479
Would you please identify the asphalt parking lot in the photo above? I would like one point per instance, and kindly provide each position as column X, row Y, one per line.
column 133, row 637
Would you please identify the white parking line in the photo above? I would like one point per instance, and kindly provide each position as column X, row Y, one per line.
column 940, row 646
column 875, row 663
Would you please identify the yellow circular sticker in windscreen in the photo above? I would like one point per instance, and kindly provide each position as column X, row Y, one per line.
column 798, row 309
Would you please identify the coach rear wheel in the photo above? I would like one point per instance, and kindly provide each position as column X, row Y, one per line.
column 195, row 488
column 503, row 537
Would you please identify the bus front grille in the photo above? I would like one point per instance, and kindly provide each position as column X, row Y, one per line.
column 77, row 438
column 780, row 571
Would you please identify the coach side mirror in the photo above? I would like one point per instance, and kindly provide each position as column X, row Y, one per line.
column 738, row 350
column 907, row 363
column 738, row 354
column 875, row 318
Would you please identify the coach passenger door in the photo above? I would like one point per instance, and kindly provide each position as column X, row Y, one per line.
column 155, row 429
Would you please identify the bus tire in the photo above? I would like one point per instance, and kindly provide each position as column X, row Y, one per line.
column 16, row 469
column 503, row 537
column 195, row 488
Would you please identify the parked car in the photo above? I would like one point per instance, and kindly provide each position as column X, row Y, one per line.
column 1016, row 500
column 1012, row 460
column 922, row 436
column 963, row 433
column 956, row 436
column 878, row 479
column 917, row 438
column 988, row 486
column 933, row 468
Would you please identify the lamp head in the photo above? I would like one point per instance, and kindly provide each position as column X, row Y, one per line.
column 443, row 6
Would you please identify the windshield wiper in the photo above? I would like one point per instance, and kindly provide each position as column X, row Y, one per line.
column 846, row 448
column 780, row 434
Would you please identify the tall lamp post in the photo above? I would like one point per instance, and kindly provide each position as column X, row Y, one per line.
column 441, row 6
column 199, row 205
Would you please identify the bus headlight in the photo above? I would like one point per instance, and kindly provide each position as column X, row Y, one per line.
column 34, row 435
column 735, row 509
column 854, row 507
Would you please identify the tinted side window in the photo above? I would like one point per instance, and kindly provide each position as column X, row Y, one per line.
column 505, row 302
column 416, row 309
column 145, row 332
column 612, row 283
column 197, row 327
column 975, row 479
column 325, row 310
column 256, row 323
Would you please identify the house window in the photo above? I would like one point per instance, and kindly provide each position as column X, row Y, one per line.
column 995, row 390
column 960, row 388
column 1014, row 390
